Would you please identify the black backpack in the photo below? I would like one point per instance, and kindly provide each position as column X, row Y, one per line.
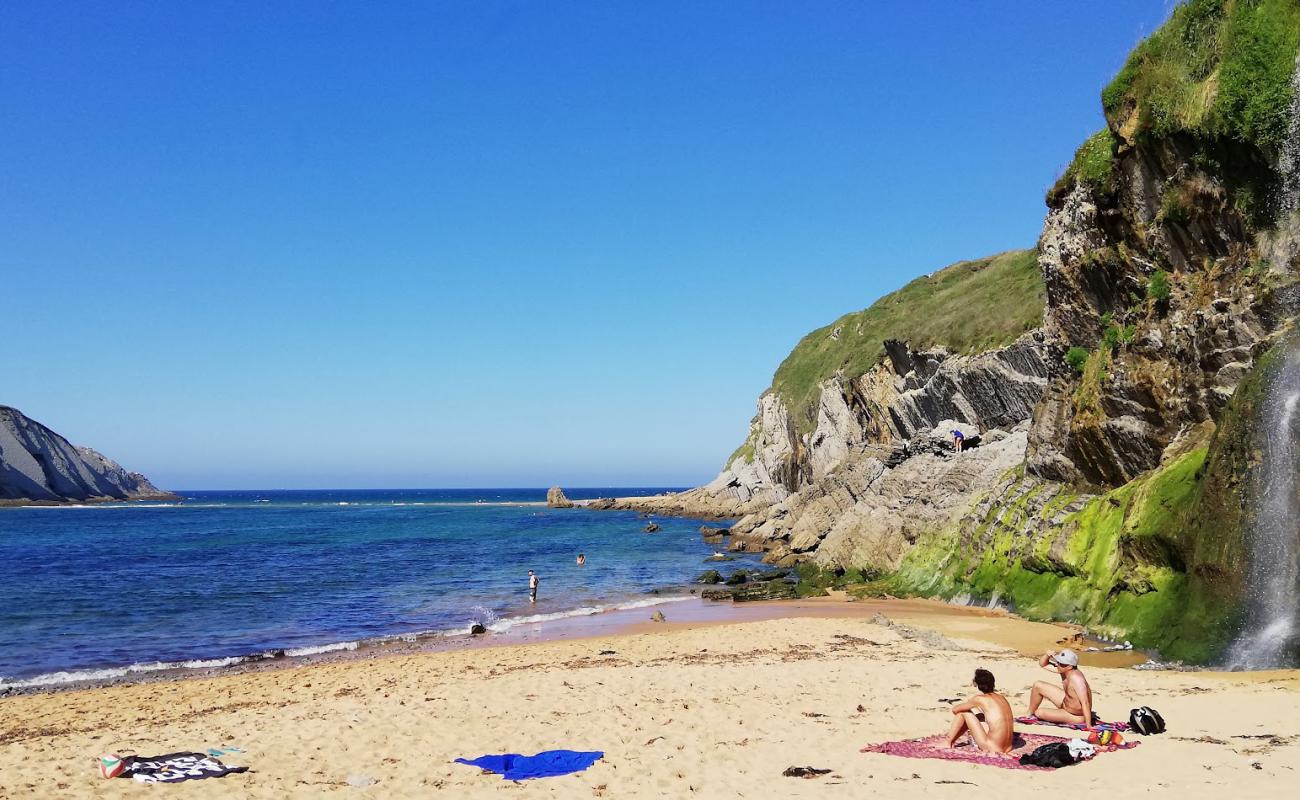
column 1146, row 721
column 1054, row 755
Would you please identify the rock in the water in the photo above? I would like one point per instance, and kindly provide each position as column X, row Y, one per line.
column 651, row 527
column 37, row 464
column 771, row 575
column 713, row 535
column 709, row 576
column 768, row 590
column 477, row 629
column 738, row 577
column 602, row 504
column 555, row 498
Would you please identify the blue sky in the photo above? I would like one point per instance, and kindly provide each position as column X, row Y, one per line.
column 495, row 244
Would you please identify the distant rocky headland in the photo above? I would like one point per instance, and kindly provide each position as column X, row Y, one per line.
column 38, row 466
column 1117, row 377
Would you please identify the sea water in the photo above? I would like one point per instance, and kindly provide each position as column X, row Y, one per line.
column 100, row 591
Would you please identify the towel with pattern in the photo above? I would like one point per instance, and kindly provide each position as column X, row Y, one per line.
column 936, row 747
column 1121, row 727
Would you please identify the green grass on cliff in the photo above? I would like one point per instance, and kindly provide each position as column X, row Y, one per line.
column 1216, row 68
column 968, row 307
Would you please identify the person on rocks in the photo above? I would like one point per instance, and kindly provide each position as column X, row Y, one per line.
column 1072, row 698
column 986, row 717
column 958, row 439
column 532, row 586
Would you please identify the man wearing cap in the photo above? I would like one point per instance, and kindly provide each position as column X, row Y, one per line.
column 1073, row 698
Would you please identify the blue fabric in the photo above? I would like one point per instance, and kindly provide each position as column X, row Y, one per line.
column 514, row 767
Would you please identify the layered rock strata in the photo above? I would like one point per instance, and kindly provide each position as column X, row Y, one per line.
column 39, row 465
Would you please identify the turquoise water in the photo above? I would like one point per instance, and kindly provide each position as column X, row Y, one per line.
column 97, row 591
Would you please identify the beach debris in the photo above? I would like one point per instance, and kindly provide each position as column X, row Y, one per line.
column 361, row 781
column 861, row 708
column 477, row 629
column 658, row 616
column 1256, row 765
column 804, row 772
column 844, row 638
column 606, row 652
column 652, row 741
column 813, row 714
column 651, row 527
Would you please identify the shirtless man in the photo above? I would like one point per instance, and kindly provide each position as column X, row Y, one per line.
column 1073, row 698
column 986, row 716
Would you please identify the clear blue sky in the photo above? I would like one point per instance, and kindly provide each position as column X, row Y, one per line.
column 494, row 244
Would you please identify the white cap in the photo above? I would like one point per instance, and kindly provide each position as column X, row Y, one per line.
column 1066, row 658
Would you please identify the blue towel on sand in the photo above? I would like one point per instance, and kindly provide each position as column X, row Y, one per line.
column 514, row 767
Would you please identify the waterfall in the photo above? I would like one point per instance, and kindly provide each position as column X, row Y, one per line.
column 1270, row 637
column 1288, row 161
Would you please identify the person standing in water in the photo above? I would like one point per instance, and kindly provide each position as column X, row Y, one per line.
column 582, row 559
column 532, row 586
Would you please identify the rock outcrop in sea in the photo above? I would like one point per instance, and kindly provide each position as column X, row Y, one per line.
column 1113, row 375
column 39, row 465
column 555, row 498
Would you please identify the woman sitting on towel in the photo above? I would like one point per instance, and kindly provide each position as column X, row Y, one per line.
column 986, row 717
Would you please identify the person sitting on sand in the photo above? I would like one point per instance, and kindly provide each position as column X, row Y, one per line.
column 582, row 559
column 986, row 717
column 1073, row 698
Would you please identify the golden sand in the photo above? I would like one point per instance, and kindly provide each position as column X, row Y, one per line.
column 681, row 710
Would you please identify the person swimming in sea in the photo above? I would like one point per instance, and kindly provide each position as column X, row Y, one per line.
column 986, row 717
column 582, row 559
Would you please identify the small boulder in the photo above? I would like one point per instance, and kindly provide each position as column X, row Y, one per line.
column 477, row 629
column 658, row 616
column 601, row 504
column 555, row 498
column 709, row 576
column 738, row 577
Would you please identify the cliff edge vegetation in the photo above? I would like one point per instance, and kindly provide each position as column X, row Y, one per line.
column 967, row 307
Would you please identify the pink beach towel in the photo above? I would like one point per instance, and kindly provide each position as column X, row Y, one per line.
column 1122, row 727
column 933, row 747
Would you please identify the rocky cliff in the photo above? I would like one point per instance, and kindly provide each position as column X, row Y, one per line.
column 1111, row 428
column 37, row 464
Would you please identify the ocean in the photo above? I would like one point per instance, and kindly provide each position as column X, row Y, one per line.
column 102, row 591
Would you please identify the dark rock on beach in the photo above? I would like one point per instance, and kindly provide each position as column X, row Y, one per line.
column 738, row 577
column 709, row 576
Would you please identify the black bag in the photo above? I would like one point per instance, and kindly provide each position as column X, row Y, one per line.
column 1054, row 755
column 1146, row 721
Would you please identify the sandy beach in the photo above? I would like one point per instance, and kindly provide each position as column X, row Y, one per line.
column 696, row 708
